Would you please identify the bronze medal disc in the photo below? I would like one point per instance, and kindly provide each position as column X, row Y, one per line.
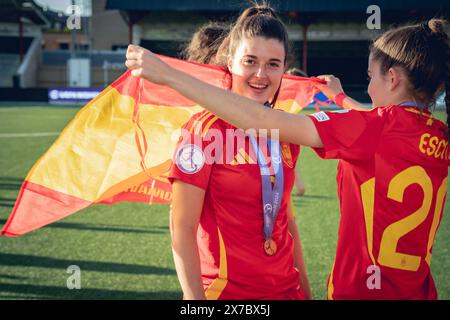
column 270, row 247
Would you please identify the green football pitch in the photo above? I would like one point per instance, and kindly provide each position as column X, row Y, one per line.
column 123, row 250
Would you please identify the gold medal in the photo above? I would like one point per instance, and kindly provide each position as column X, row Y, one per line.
column 270, row 247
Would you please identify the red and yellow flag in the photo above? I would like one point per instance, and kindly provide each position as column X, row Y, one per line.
column 119, row 147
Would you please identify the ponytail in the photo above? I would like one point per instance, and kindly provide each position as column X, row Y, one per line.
column 260, row 20
column 257, row 10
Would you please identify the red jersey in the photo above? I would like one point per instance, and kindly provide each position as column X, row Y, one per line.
column 392, row 178
column 230, row 235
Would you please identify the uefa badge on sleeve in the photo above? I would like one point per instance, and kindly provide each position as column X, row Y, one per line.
column 190, row 159
column 321, row 116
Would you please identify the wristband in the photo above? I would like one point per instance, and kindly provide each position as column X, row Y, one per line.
column 339, row 99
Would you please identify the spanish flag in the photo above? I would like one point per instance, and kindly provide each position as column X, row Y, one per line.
column 119, row 147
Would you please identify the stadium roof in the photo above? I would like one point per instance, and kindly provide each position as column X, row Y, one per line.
column 11, row 10
column 280, row 5
column 304, row 11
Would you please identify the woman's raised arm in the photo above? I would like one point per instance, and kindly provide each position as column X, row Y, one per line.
column 237, row 110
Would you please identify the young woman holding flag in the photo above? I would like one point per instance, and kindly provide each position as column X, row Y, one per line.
column 226, row 242
column 392, row 174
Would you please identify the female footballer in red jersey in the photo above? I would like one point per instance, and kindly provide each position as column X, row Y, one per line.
column 217, row 218
column 393, row 159
column 205, row 43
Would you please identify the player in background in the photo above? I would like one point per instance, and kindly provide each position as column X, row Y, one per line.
column 205, row 43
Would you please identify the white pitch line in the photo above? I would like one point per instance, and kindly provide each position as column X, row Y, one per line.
column 40, row 116
column 28, row 135
column 11, row 109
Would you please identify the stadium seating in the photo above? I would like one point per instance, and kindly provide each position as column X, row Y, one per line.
column 9, row 63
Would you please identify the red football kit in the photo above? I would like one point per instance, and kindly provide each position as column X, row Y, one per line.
column 230, row 236
column 392, row 184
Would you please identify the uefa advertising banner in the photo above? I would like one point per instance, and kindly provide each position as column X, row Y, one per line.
column 72, row 95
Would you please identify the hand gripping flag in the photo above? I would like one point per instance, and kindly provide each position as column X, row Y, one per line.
column 119, row 147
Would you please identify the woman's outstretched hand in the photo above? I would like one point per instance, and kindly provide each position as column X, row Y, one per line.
column 332, row 87
column 147, row 65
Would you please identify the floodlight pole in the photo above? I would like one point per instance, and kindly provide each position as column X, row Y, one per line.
column 72, row 47
column 130, row 31
column 305, row 48
column 20, row 38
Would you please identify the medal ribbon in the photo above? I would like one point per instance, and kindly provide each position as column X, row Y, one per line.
column 271, row 195
column 412, row 104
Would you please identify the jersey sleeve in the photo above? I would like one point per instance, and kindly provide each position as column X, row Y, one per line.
column 348, row 134
column 190, row 163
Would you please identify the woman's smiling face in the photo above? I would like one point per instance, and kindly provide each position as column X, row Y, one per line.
column 257, row 67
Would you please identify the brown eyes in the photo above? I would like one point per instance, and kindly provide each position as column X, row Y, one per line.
column 274, row 65
column 251, row 62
